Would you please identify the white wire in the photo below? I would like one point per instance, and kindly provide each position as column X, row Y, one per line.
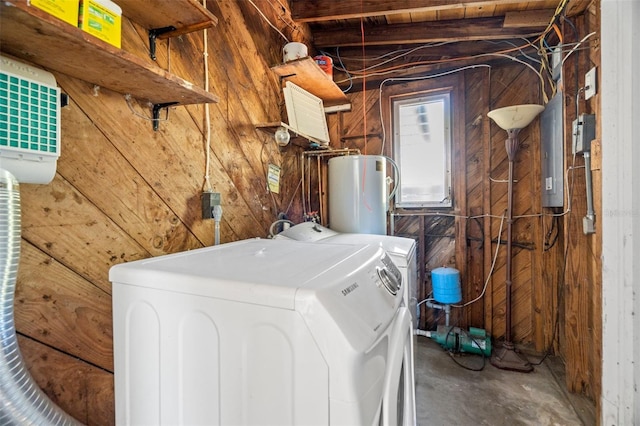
column 207, row 118
column 403, row 53
column 576, row 46
column 268, row 22
column 127, row 98
column 493, row 264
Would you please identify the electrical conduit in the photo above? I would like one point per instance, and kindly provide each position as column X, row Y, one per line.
column 23, row 402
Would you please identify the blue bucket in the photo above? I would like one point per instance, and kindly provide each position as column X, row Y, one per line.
column 446, row 285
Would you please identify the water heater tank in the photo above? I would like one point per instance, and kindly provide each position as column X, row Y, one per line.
column 358, row 194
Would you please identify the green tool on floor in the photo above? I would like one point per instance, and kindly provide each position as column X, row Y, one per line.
column 474, row 341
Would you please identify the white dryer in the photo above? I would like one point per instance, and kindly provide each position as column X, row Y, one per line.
column 261, row 332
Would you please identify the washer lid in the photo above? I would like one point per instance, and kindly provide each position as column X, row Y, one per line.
column 400, row 248
column 264, row 272
column 307, row 231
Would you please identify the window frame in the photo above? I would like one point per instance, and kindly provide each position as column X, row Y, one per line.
column 454, row 82
column 439, row 95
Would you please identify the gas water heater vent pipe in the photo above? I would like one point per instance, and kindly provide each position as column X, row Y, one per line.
column 23, row 402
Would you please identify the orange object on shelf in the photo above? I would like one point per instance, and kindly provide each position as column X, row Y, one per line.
column 325, row 63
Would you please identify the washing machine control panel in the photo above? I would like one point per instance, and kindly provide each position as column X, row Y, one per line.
column 390, row 275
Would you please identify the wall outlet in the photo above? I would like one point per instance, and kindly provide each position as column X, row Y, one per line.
column 590, row 83
column 209, row 200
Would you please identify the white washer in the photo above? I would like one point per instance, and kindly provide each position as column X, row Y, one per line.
column 402, row 252
column 261, row 332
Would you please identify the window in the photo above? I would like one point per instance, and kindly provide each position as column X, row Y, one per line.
column 422, row 149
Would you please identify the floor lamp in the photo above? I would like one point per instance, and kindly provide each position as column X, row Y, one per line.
column 512, row 119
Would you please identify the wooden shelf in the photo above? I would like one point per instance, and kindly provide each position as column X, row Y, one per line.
column 35, row 36
column 297, row 138
column 308, row 75
column 185, row 15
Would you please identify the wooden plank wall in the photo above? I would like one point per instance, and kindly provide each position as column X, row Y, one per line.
column 468, row 241
column 123, row 192
column 582, row 324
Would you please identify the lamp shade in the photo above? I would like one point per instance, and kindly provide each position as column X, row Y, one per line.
column 516, row 116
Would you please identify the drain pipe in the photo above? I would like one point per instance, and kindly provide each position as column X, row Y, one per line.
column 23, row 402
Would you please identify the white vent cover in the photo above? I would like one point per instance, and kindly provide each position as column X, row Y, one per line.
column 29, row 122
column 306, row 114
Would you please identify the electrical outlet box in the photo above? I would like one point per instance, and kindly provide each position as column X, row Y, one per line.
column 588, row 225
column 209, row 201
column 584, row 131
column 590, row 83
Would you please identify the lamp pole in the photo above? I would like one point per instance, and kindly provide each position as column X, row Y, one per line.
column 512, row 119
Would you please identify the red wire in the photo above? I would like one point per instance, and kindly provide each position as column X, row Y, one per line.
column 364, row 112
column 364, row 82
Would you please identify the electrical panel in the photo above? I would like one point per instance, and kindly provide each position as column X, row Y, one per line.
column 552, row 155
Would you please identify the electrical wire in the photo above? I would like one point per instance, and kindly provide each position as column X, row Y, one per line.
column 490, row 273
column 452, row 353
column 400, row 54
column 127, row 98
column 268, row 21
column 409, row 65
column 207, row 119
column 576, row 46
column 343, row 68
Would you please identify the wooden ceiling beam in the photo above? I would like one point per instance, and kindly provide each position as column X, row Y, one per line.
column 328, row 10
column 528, row 18
column 423, row 32
column 450, row 50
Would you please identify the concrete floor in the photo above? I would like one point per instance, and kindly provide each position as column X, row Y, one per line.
column 447, row 394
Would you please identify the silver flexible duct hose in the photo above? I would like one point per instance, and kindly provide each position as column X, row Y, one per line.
column 22, row 401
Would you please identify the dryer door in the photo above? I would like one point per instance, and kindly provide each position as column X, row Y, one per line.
column 398, row 403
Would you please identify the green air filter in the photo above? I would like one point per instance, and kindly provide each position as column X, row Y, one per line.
column 29, row 122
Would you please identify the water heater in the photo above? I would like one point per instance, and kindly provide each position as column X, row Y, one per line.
column 29, row 122
column 358, row 194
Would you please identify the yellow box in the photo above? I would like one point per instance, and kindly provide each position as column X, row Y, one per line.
column 67, row 10
column 101, row 18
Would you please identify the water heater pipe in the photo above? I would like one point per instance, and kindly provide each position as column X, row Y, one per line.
column 23, row 402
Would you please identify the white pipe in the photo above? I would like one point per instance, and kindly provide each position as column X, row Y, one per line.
column 23, row 402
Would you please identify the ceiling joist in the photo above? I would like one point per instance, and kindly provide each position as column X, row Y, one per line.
column 426, row 32
column 328, row 10
column 528, row 18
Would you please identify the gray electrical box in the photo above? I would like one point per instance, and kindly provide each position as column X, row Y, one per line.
column 584, row 131
column 556, row 62
column 552, row 155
